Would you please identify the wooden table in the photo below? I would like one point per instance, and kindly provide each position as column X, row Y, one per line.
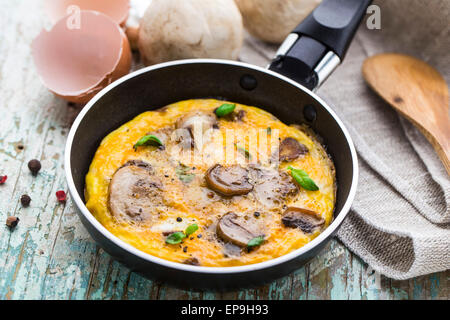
column 51, row 256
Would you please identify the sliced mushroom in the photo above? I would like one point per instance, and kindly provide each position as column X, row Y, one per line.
column 194, row 123
column 241, row 114
column 198, row 118
column 234, row 229
column 184, row 137
column 192, row 261
column 271, row 187
column 291, row 149
column 139, row 164
column 134, row 192
column 236, row 116
column 228, row 181
column 305, row 219
column 231, row 250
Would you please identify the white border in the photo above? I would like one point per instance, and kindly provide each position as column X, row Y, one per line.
column 199, row 269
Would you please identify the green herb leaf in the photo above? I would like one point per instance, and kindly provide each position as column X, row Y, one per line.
column 182, row 172
column 175, row 238
column 191, row 229
column 225, row 109
column 148, row 140
column 244, row 151
column 255, row 242
column 269, row 130
column 303, row 179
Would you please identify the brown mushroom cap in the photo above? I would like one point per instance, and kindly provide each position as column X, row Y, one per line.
column 305, row 219
column 134, row 192
column 291, row 149
column 228, row 181
column 236, row 230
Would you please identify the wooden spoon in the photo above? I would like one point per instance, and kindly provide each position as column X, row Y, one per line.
column 418, row 92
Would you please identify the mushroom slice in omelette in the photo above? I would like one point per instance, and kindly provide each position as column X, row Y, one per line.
column 228, row 181
column 212, row 183
column 134, row 192
column 238, row 230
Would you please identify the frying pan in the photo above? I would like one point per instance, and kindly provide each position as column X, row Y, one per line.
column 302, row 63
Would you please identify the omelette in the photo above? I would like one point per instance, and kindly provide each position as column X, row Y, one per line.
column 212, row 183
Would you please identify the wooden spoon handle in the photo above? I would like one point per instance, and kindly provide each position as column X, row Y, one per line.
column 443, row 151
column 445, row 158
column 440, row 143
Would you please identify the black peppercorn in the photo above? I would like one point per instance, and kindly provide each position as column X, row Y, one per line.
column 256, row 214
column 12, row 222
column 179, row 219
column 34, row 166
column 25, row 200
column 185, row 249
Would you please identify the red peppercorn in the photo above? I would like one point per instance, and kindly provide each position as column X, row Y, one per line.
column 3, row 179
column 61, row 196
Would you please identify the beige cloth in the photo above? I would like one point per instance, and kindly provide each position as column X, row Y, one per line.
column 400, row 221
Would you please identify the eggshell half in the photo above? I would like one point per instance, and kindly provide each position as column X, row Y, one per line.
column 76, row 63
column 115, row 9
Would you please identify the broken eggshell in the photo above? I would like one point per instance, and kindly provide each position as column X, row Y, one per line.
column 115, row 9
column 77, row 61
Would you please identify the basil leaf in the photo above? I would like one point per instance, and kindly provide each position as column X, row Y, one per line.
column 255, row 242
column 244, row 151
column 175, row 238
column 303, row 179
column 191, row 229
column 225, row 109
column 182, row 172
column 148, row 140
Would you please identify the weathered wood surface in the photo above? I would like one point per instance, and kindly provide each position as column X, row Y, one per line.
column 51, row 256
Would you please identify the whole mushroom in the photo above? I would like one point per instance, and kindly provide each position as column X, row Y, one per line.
column 173, row 29
column 273, row 20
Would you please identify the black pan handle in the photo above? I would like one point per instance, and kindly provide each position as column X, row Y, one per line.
column 319, row 43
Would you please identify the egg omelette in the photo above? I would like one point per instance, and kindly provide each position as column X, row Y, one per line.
column 212, row 183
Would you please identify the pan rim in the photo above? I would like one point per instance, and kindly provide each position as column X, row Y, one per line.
column 204, row 269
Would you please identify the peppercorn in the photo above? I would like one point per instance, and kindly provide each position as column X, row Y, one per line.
column 179, row 219
column 185, row 249
column 256, row 214
column 25, row 200
column 12, row 222
column 34, row 166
